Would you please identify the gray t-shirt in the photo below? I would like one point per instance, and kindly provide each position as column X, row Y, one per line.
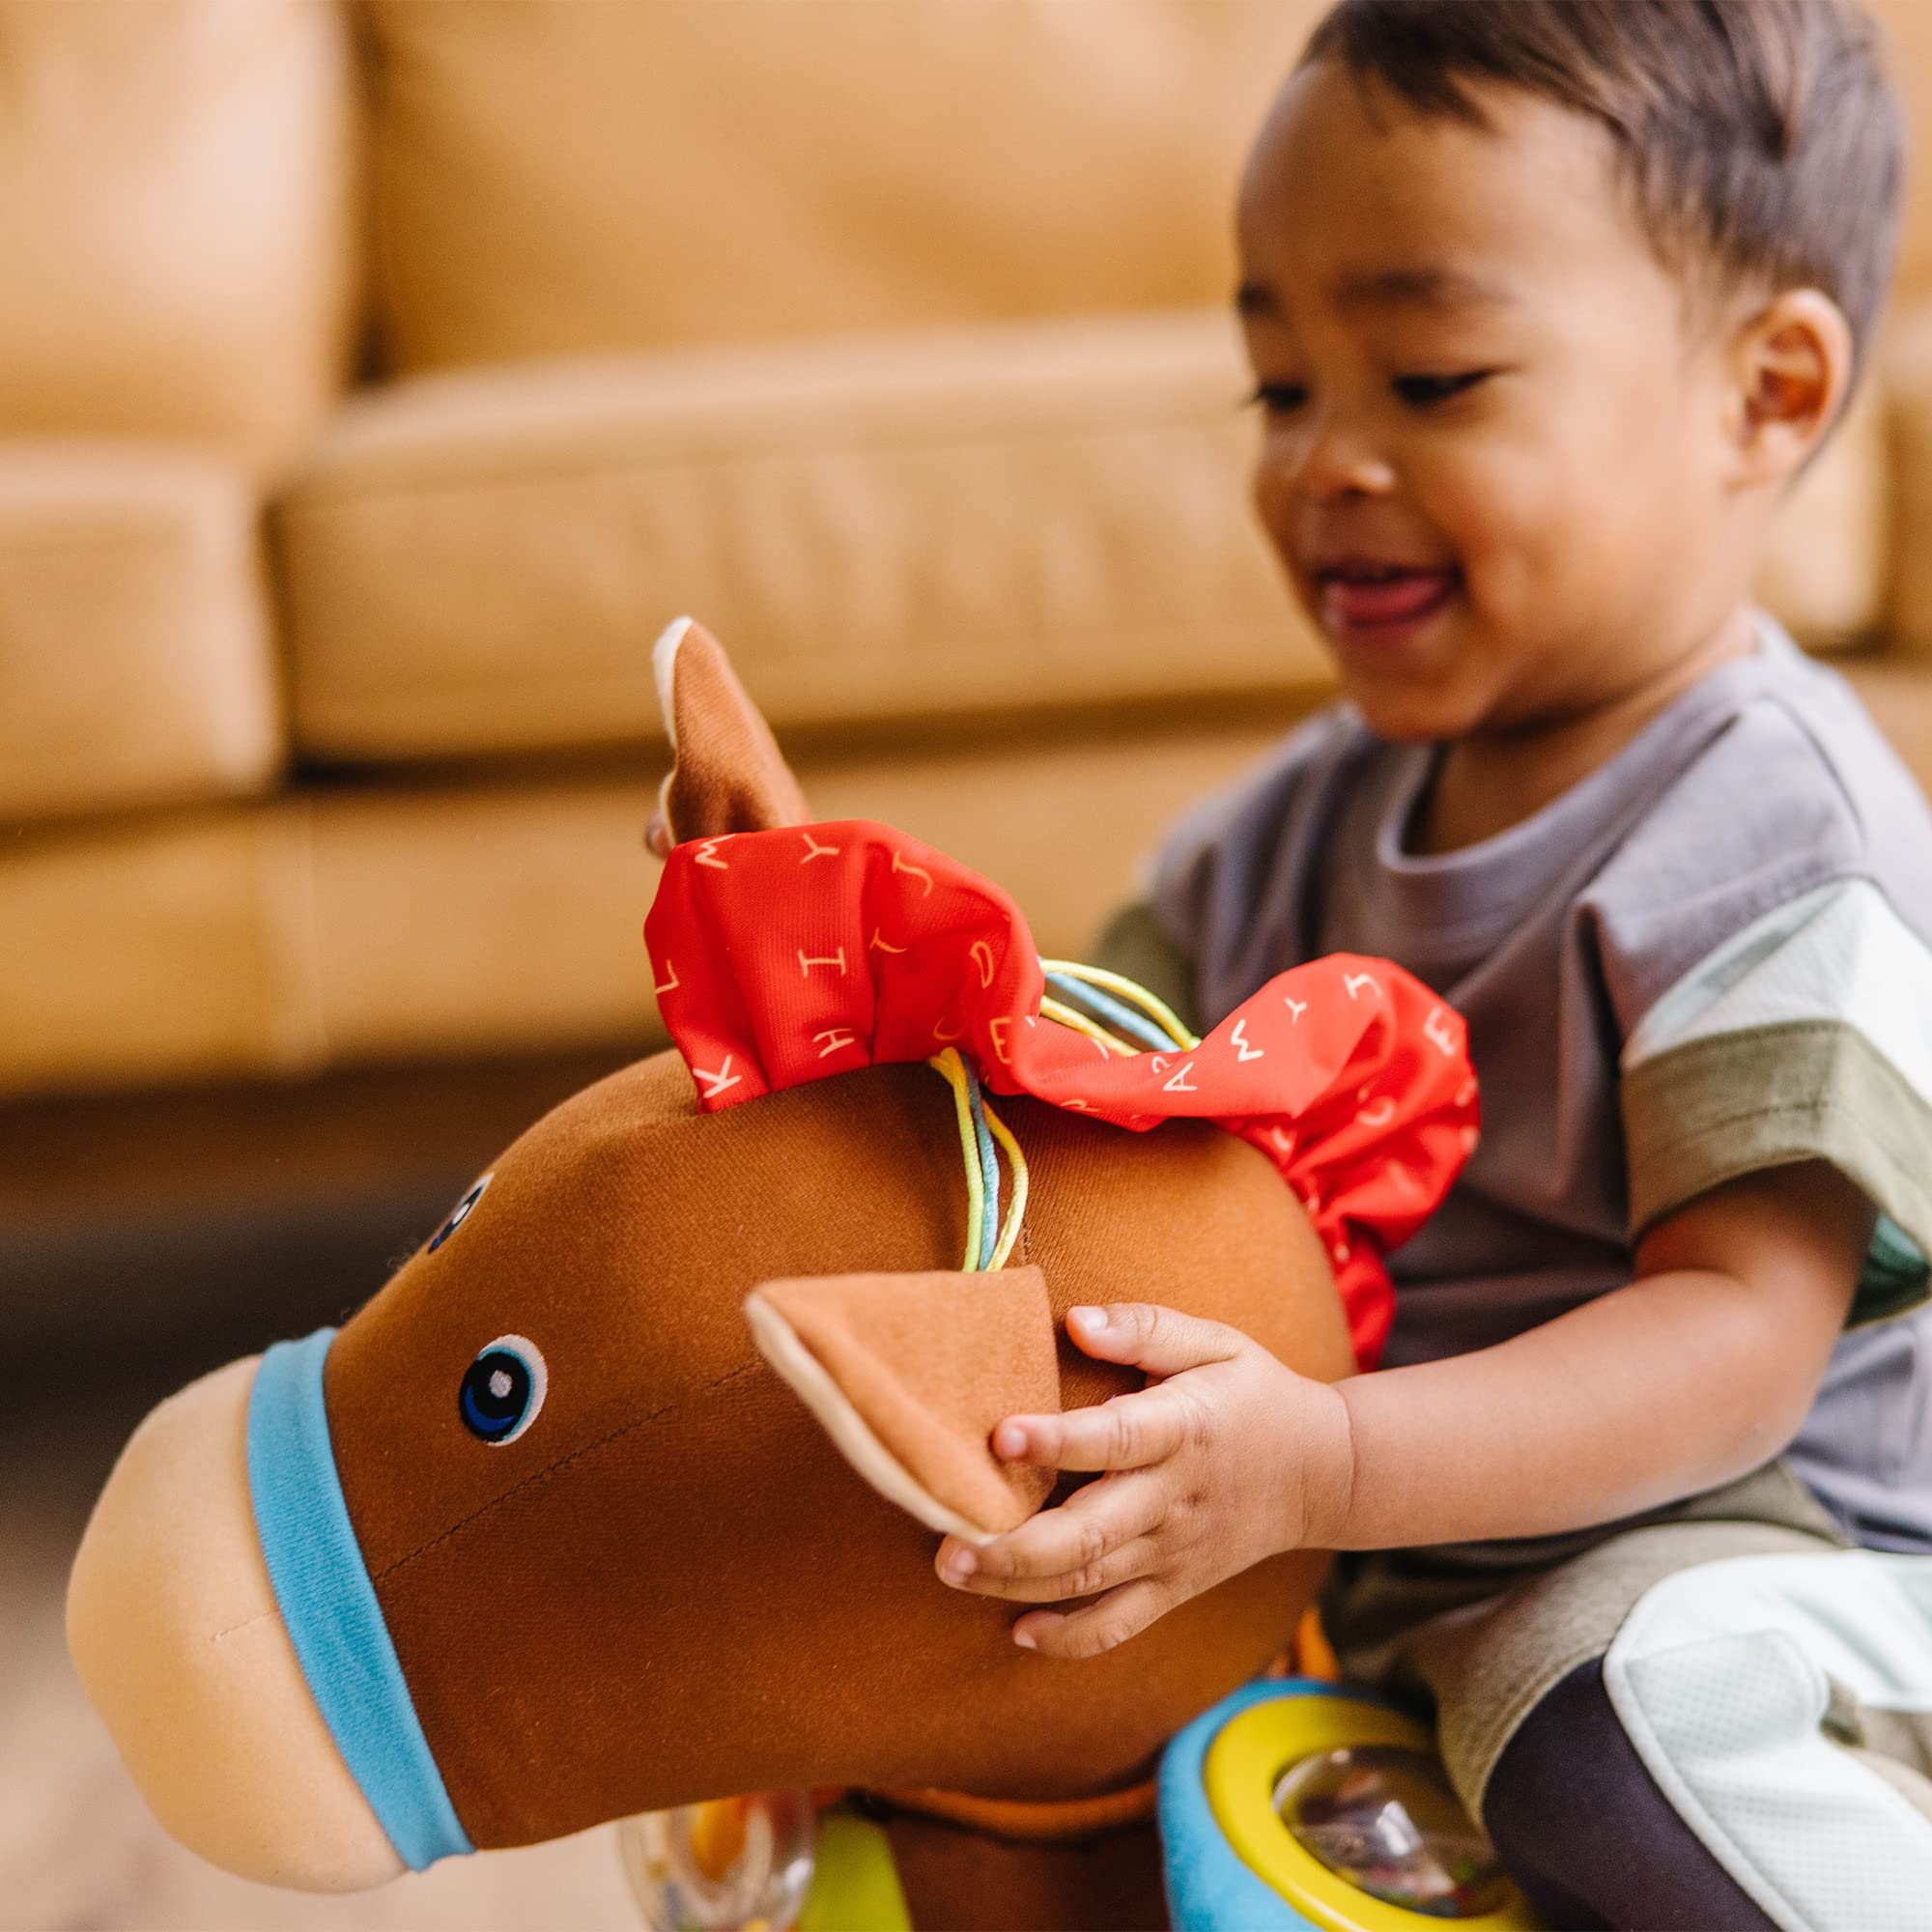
column 1708, row 958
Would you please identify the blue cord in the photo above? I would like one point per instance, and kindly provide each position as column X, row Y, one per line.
column 989, row 1168
column 1136, row 1025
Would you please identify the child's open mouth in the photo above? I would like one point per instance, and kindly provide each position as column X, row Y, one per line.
column 1372, row 600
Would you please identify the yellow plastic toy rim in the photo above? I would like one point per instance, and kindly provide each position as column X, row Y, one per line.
column 1243, row 1765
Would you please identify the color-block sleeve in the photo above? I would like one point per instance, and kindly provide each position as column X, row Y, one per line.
column 1807, row 1036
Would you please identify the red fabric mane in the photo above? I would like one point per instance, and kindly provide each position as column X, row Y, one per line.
column 785, row 956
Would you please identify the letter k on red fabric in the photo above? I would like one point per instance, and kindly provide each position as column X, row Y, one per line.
column 785, row 956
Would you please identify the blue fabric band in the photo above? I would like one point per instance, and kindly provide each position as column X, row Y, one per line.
column 329, row 1606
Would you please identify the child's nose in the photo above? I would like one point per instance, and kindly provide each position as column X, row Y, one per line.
column 1333, row 460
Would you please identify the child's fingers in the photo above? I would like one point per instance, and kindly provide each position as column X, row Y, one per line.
column 1125, row 1433
column 1138, row 1556
column 1097, row 1626
column 1062, row 1546
column 1159, row 1340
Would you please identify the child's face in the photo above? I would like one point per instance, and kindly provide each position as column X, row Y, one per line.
column 1497, row 460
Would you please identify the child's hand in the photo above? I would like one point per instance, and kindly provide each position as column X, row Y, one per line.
column 1225, row 1458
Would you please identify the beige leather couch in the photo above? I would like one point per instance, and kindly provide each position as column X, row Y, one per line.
column 375, row 381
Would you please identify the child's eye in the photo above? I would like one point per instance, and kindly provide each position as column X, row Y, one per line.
column 1278, row 399
column 1420, row 392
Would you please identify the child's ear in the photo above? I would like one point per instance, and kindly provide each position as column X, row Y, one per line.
column 727, row 774
column 1793, row 362
column 908, row 1374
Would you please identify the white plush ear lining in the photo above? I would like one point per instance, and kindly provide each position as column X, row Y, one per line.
column 727, row 774
column 663, row 671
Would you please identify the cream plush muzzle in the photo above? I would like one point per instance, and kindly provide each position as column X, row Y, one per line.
column 172, row 1623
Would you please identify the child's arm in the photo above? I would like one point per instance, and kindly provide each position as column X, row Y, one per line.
column 1698, row 1371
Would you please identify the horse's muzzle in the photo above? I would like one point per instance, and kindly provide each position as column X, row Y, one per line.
column 174, row 1627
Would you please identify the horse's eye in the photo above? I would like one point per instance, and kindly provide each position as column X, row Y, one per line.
column 502, row 1390
column 459, row 1215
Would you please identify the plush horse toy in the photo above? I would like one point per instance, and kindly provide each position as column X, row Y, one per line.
column 622, row 1493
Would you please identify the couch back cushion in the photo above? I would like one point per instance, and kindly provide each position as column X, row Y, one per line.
column 643, row 173
column 177, row 219
column 1907, row 25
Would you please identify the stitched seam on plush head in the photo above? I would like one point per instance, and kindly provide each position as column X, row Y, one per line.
column 246, row 1623
column 550, row 1469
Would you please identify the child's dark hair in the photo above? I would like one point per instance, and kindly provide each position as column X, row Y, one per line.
column 1758, row 138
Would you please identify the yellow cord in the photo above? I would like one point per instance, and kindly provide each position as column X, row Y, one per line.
column 1053, row 1009
column 1009, row 1231
column 954, row 1069
column 1157, row 1010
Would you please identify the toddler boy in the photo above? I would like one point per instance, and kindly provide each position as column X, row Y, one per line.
column 1548, row 303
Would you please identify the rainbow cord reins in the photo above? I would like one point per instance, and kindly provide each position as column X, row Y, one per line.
column 1148, row 1023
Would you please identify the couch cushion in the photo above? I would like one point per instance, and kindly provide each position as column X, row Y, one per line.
column 353, row 926
column 1022, row 516
column 137, row 665
column 142, row 952
column 176, row 194
column 1908, row 30
column 350, row 926
column 489, row 918
column 1898, row 695
column 1825, row 568
column 846, row 164
column 1908, row 371
column 556, row 177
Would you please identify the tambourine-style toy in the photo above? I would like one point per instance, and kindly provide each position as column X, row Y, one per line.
column 1300, row 1803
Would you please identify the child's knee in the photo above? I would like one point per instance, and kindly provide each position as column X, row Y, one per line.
column 1586, row 1833
column 1748, row 1751
column 1779, row 1703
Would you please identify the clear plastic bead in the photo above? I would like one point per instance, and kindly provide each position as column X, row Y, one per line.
column 1387, row 1819
column 735, row 1864
column 732, row 1865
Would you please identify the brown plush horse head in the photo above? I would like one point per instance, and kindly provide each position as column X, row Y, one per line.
column 541, row 1538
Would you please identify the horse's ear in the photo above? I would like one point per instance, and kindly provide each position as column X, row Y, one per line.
column 908, row 1374
column 727, row 773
